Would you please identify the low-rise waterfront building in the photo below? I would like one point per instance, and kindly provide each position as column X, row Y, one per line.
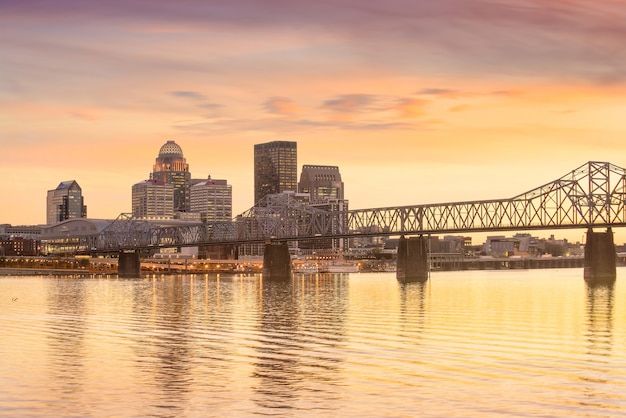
column 18, row 246
column 23, row 231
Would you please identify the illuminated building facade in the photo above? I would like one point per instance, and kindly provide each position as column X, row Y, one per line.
column 171, row 167
column 275, row 168
column 65, row 202
column 213, row 200
column 153, row 199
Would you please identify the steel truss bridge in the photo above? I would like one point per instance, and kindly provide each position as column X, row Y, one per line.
column 593, row 195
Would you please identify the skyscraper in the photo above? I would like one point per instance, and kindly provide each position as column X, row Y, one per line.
column 325, row 189
column 321, row 182
column 65, row 202
column 275, row 168
column 153, row 199
column 213, row 200
column 171, row 167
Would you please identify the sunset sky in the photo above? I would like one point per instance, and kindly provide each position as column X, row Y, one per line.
column 416, row 101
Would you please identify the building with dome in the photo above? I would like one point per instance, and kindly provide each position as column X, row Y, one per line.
column 172, row 168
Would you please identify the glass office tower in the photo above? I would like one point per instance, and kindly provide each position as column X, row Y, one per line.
column 275, row 168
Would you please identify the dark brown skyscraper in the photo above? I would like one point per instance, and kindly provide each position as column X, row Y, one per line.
column 322, row 183
column 275, row 168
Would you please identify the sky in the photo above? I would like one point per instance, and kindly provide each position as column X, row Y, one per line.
column 416, row 101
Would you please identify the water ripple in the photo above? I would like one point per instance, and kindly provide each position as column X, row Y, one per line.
column 463, row 344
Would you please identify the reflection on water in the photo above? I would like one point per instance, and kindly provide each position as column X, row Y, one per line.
column 276, row 365
column 291, row 361
column 65, row 340
column 600, row 318
column 164, row 354
column 596, row 376
column 513, row 343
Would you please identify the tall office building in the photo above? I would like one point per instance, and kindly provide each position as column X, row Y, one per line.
column 171, row 167
column 321, row 182
column 65, row 202
column 153, row 199
column 275, row 168
column 323, row 185
column 213, row 200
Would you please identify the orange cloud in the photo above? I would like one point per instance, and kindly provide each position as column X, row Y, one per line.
column 459, row 108
column 410, row 108
column 281, row 106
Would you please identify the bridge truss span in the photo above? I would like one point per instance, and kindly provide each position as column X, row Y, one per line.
column 592, row 195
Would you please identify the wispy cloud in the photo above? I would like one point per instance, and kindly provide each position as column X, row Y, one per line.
column 574, row 39
column 347, row 106
column 348, row 103
column 434, row 91
column 411, row 108
column 192, row 95
column 199, row 101
column 348, row 112
column 281, row 106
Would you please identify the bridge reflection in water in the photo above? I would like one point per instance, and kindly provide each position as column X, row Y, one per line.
column 591, row 196
column 453, row 262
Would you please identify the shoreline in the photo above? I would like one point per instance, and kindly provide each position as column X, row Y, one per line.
column 10, row 271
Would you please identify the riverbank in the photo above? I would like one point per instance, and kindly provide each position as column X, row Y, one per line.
column 9, row 271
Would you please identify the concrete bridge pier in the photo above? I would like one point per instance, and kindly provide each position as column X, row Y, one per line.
column 600, row 257
column 128, row 264
column 276, row 261
column 412, row 264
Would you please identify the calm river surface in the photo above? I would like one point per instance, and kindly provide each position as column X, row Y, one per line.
column 524, row 343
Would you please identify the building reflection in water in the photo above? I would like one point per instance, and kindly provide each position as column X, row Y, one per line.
column 66, row 337
column 301, row 331
column 162, row 348
column 193, row 335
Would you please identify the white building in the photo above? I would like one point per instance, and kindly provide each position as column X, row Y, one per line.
column 153, row 199
column 213, row 199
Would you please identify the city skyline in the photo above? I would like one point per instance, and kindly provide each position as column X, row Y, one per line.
column 416, row 102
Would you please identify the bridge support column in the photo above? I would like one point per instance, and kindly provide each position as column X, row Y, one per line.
column 276, row 261
column 128, row 264
column 412, row 264
column 600, row 257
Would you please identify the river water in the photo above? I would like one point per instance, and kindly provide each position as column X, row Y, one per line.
column 524, row 343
